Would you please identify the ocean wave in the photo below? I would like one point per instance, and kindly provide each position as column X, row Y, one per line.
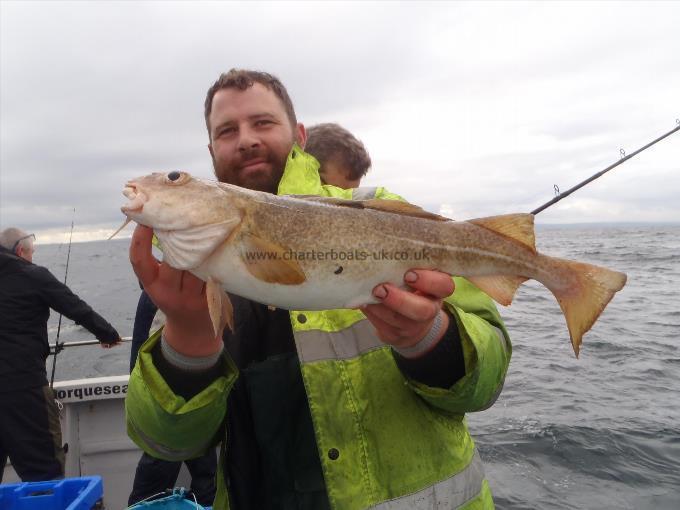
column 551, row 462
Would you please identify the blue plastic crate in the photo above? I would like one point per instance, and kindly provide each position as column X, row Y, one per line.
column 176, row 501
column 67, row 494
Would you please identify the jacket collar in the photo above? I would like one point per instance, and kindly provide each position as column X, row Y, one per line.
column 301, row 175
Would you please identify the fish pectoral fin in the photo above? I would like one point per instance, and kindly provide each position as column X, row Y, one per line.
column 519, row 227
column 219, row 306
column 500, row 288
column 190, row 247
column 377, row 204
column 268, row 261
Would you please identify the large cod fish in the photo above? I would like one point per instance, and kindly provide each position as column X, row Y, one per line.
column 315, row 253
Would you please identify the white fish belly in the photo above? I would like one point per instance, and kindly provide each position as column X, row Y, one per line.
column 325, row 288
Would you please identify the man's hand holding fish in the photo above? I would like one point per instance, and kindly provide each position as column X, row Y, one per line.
column 403, row 317
column 179, row 294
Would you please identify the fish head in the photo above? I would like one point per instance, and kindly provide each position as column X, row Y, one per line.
column 191, row 217
column 170, row 201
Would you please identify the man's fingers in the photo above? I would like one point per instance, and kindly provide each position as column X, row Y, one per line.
column 433, row 283
column 169, row 277
column 404, row 316
column 405, row 303
column 192, row 284
column 386, row 332
column 387, row 316
column 143, row 262
column 179, row 280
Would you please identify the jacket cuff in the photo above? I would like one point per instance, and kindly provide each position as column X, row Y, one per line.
column 112, row 339
column 182, row 382
column 189, row 363
column 442, row 366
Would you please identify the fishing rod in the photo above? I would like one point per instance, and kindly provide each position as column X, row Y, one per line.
column 80, row 343
column 599, row 174
column 57, row 346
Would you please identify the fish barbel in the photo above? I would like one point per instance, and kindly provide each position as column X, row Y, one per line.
column 316, row 253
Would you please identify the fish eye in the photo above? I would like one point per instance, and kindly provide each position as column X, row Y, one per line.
column 177, row 178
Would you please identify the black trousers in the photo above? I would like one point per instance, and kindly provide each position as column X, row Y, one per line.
column 30, row 434
column 154, row 475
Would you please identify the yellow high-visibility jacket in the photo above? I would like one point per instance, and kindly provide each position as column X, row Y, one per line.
column 384, row 441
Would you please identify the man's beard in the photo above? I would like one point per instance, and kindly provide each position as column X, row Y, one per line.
column 265, row 180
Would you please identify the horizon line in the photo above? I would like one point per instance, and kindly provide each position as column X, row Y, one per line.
column 98, row 234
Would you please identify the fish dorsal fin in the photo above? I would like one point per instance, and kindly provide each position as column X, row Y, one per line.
column 188, row 248
column 399, row 207
column 339, row 202
column 519, row 227
column 377, row 204
column 219, row 306
column 500, row 288
column 268, row 261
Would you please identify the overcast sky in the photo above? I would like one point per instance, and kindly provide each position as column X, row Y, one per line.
column 470, row 109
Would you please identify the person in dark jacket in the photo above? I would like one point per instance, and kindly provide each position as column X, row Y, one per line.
column 30, row 434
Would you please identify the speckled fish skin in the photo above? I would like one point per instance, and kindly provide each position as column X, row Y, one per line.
column 312, row 253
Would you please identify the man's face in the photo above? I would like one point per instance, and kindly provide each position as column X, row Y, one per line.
column 26, row 253
column 251, row 137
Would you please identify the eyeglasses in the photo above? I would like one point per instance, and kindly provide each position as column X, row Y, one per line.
column 14, row 248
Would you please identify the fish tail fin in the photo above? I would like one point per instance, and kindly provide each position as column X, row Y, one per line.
column 583, row 300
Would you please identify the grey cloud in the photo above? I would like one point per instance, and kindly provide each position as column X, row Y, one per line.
column 94, row 93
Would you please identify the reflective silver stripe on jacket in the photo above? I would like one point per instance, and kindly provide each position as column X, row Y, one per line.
column 168, row 453
column 501, row 339
column 451, row 493
column 364, row 193
column 504, row 344
column 316, row 345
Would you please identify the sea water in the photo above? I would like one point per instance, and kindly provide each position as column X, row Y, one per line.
column 598, row 432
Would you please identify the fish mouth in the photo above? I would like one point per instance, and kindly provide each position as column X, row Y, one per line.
column 135, row 205
column 137, row 199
